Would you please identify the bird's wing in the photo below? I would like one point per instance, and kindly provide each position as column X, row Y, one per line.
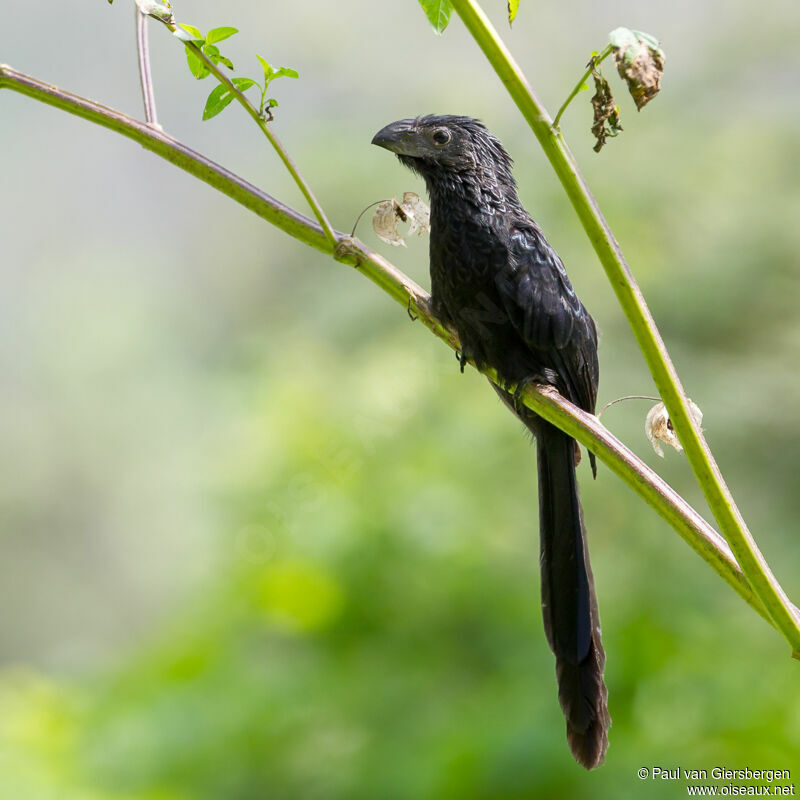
column 547, row 314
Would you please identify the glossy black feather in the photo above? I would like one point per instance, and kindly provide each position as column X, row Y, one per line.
column 496, row 280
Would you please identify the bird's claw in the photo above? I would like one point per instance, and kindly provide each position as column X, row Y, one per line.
column 519, row 391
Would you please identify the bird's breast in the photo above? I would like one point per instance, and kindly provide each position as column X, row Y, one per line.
column 466, row 253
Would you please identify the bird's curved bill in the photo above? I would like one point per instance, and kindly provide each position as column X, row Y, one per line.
column 399, row 137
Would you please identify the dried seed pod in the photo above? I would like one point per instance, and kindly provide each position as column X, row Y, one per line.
column 658, row 426
column 389, row 213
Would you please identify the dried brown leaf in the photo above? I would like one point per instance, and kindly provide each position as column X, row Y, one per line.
column 640, row 63
column 606, row 112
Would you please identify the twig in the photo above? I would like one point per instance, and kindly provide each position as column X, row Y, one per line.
column 582, row 426
column 641, row 321
column 627, row 397
column 266, row 130
column 146, row 78
column 364, row 211
column 594, row 63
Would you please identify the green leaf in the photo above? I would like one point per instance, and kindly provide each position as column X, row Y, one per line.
column 243, row 84
column 218, row 34
column 438, row 13
column 219, row 99
column 267, row 69
column 196, row 33
column 272, row 102
column 186, row 36
column 212, row 51
column 513, row 7
column 196, row 65
column 285, row 72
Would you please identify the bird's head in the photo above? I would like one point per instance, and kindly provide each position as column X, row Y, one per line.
column 444, row 145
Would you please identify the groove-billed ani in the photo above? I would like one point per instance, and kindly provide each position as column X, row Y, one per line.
column 497, row 281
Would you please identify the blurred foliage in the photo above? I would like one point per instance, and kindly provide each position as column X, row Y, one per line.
column 261, row 540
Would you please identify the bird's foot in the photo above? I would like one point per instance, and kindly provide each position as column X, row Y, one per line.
column 519, row 392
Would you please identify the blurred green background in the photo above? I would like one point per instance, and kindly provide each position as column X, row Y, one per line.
column 258, row 537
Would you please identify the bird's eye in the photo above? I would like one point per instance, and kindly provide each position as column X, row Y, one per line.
column 441, row 136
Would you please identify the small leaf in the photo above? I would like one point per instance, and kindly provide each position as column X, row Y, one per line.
column 187, row 37
column 513, row 8
column 272, row 103
column 212, row 51
column 219, row 99
column 267, row 69
column 438, row 13
column 196, row 65
column 196, row 33
column 285, row 72
column 606, row 112
column 640, row 63
column 218, row 34
column 243, row 84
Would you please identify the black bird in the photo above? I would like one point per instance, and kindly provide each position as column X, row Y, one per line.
column 502, row 287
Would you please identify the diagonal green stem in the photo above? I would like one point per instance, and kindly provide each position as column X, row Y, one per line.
column 265, row 129
column 585, row 428
column 706, row 471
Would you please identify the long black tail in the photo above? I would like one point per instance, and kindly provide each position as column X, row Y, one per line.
column 569, row 605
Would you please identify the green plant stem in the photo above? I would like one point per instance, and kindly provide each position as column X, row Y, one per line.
column 594, row 63
column 694, row 530
column 584, row 427
column 266, row 130
column 702, row 462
